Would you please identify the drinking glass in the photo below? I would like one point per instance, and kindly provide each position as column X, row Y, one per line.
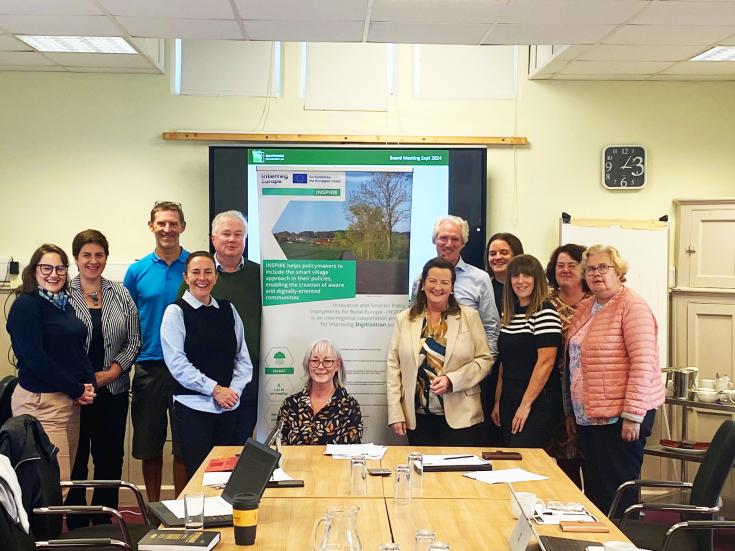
column 416, row 468
column 194, row 511
column 358, row 475
column 439, row 546
column 403, row 485
column 424, row 539
column 389, row 547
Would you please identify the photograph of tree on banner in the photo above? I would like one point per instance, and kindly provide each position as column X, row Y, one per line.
column 371, row 226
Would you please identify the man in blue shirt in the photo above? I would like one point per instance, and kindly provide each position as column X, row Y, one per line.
column 153, row 282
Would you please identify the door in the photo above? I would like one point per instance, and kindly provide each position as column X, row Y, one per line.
column 711, row 248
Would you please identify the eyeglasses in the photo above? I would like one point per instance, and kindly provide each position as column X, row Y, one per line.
column 602, row 269
column 48, row 269
column 328, row 363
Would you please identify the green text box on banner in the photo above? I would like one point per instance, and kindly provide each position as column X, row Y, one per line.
column 292, row 281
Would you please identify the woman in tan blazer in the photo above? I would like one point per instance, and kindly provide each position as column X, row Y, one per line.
column 437, row 358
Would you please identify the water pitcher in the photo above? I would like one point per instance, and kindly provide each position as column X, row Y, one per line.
column 339, row 532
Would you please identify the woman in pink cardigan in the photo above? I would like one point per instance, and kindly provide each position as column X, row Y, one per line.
column 612, row 385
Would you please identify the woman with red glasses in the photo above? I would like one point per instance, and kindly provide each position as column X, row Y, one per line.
column 55, row 375
column 323, row 412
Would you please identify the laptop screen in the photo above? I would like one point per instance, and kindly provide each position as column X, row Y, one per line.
column 253, row 470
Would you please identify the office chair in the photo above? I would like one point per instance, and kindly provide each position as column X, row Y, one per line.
column 7, row 387
column 694, row 532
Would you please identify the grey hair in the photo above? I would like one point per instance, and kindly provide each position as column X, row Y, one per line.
column 461, row 222
column 325, row 344
column 236, row 214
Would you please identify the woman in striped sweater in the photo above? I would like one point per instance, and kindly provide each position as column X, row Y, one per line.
column 528, row 394
column 113, row 341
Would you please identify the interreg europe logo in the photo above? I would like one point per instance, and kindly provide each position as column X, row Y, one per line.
column 258, row 156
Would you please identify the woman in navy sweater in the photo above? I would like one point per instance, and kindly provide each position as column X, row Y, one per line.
column 54, row 372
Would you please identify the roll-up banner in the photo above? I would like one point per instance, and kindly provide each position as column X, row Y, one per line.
column 342, row 234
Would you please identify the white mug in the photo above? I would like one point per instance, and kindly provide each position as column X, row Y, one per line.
column 528, row 501
column 707, row 383
column 618, row 546
column 723, row 383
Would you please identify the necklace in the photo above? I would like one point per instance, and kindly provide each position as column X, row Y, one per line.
column 94, row 295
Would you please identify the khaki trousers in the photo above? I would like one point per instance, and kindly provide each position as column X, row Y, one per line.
column 59, row 417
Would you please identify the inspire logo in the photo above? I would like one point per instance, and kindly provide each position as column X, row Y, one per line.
column 258, row 156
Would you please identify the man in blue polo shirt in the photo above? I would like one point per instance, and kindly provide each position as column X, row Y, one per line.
column 153, row 282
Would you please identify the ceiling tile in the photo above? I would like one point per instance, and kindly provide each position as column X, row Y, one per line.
column 511, row 33
column 98, row 60
column 652, row 34
column 615, row 67
column 49, row 7
column 571, row 12
column 64, row 25
column 180, row 9
column 305, row 31
column 158, row 27
column 432, row 33
column 9, row 43
column 437, row 11
column 303, row 10
column 690, row 13
column 702, row 68
column 649, row 52
column 23, row 58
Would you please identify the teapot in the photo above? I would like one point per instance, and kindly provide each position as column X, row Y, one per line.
column 340, row 530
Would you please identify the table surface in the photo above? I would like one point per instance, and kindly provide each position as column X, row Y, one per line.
column 466, row 513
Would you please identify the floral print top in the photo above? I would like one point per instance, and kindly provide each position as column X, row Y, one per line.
column 338, row 422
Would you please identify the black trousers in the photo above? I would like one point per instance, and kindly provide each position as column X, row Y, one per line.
column 493, row 434
column 200, row 431
column 246, row 413
column 545, row 414
column 433, row 430
column 609, row 461
column 101, row 432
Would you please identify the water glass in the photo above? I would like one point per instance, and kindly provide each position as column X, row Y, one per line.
column 389, row 547
column 403, row 485
column 194, row 511
column 424, row 539
column 358, row 475
column 416, row 467
column 439, row 546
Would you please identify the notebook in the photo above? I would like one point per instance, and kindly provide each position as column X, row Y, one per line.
column 524, row 530
column 252, row 472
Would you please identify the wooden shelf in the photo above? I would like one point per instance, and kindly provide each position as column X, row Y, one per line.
column 343, row 138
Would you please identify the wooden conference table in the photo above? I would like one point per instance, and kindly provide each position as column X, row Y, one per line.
column 470, row 515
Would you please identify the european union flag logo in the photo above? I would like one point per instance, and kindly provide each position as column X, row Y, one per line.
column 300, row 178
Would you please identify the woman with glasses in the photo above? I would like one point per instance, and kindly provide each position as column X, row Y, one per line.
column 612, row 384
column 323, row 412
column 204, row 348
column 55, row 375
column 528, row 393
column 437, row 357
column 113, row 341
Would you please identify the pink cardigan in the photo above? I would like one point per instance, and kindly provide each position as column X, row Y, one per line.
column 621, row 375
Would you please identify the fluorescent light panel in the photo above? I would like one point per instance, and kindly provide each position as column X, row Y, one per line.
column 718, row 53
column 79, row 44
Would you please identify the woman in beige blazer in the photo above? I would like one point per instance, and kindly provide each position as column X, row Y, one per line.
column 437, row 358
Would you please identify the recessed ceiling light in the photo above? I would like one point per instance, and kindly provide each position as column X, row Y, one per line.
column 718, row 53
column 80, row 44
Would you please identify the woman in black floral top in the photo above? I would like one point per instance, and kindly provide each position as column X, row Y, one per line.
column 323, row 412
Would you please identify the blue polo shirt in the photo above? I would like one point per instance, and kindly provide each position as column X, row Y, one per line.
column 153, row 284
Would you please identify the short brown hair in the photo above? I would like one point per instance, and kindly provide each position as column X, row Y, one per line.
column 167, row 205
column 28, row 278
column 513, row 242
column 528, row 265
column 197, row 254
column 575, row 252
column 85, row 238
column 419, row 302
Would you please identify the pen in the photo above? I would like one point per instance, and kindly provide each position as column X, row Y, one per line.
column 457, row 457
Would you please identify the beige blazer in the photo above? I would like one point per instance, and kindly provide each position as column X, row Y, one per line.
column 467, row 362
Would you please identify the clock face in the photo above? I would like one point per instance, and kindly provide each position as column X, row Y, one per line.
column 624, row 167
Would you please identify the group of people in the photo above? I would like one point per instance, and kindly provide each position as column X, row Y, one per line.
column 564, row 358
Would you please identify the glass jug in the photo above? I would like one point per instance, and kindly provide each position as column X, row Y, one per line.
column 340, row 531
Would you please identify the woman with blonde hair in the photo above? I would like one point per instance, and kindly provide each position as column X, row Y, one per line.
column 528, row 394
column 612, row 384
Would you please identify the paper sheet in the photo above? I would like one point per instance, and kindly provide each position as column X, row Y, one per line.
column 213, row 506
column 346, row 451
column 218, row 480
column 504, row 475
column 452, row 459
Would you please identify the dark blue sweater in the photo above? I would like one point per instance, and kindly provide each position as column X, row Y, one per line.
column 49, row 344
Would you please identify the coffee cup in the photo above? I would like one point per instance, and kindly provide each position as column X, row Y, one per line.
column 723, row 383
column 528, row 501
column 707, row 384
column 618, row 546
column 245, row 517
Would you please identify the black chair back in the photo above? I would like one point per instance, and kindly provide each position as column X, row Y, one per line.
column 715, row 468
column 7, row 387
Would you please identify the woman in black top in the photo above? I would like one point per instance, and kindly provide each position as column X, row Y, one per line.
column 113, row 341
column 54, row 372
column 528, row 393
